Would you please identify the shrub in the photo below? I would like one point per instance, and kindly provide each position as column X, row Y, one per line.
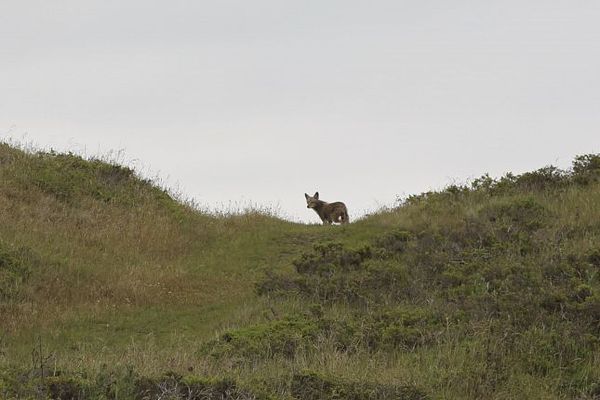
column 330, row 258
column 313, row 386
column 399, row 328
column 333, row 273
column 396, row 241
column 66, row 388
column 278, row 338
column 548, row 177
column 586, row 169
column 520, row 214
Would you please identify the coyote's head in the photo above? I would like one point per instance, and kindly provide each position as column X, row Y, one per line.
column 312, row 202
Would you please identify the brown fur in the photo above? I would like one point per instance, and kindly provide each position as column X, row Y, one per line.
column 328, row 212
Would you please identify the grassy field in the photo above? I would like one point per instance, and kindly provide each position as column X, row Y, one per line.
column 112, row 289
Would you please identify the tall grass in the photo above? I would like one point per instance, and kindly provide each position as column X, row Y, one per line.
column 108, row 282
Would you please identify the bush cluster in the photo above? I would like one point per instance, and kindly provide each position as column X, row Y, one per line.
column 333, row 273
column 505, row 263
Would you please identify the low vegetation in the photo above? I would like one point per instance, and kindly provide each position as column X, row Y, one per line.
column 112, row 289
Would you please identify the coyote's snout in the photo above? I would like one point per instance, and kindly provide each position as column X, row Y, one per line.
column 328, row 212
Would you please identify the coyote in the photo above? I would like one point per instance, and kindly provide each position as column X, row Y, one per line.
column 328, row 212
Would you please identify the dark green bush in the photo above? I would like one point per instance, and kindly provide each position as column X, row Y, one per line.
column 67, row 388
column 115, row 384
column 313, row 386
column 396, row 241
column 545, row 178
column 333, row 273
column 586, row 169
column 330, row 258
column 278, row 338
column 399, row 328
column 376, row 281
column 520, row 214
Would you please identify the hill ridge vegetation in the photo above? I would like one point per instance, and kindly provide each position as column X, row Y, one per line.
column 112, row 289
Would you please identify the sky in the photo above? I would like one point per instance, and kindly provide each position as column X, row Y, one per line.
column 237, row 102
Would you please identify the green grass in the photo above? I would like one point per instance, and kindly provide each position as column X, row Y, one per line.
column 112, row 288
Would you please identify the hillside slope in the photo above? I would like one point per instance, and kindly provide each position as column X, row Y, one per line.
column 110, row 288
column 87, row 239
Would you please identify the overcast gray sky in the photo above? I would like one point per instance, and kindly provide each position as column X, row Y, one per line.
column 263, row 100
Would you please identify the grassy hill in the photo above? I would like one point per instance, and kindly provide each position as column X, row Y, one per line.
column 112, row 289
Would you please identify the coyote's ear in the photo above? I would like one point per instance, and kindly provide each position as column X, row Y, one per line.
column 307, row 196
column 316, row 196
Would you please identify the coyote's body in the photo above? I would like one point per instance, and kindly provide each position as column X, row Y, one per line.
column 328, row 212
